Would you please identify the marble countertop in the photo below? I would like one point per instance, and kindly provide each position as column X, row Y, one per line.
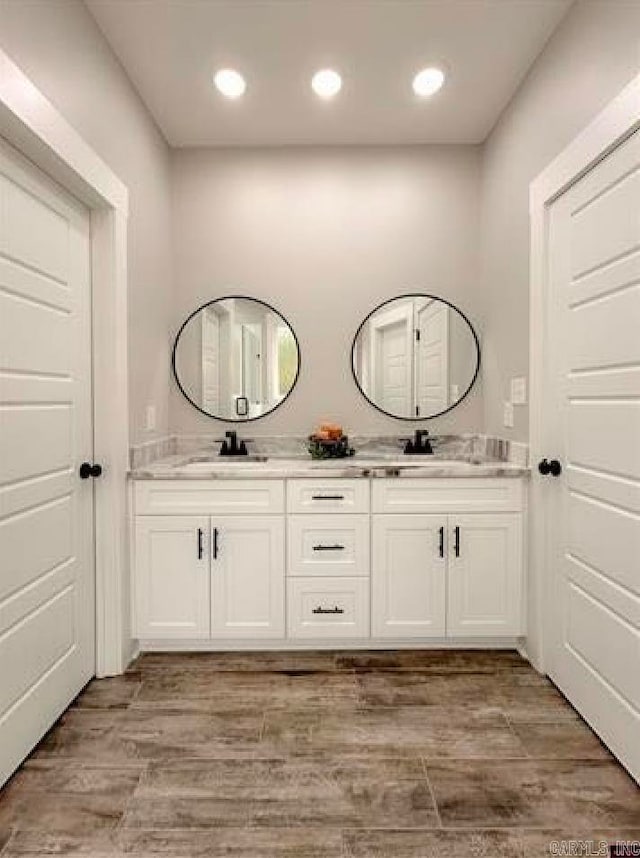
column 207, row 466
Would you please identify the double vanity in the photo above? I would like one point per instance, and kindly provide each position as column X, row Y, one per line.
column 266, row 551
column 240, row 544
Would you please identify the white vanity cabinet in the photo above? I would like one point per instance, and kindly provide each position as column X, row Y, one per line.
column 217, row 575
column 441, row 566
column 306, row 561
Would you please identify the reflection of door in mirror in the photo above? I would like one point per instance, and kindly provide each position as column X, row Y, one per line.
column 431, row 356
column 210, row 361
column 390, row 351
column 252, row 367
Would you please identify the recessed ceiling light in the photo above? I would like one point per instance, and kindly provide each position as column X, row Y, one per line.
column 230, row 83
column 428, row 81
column 326, row 83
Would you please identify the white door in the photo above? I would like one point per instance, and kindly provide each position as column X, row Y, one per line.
column 172, row 577
column 247, row 576
column 210, row 331
column 484, row 597
column 432, row 358
column 593, row 380
column 47, row 601
column 408, row 576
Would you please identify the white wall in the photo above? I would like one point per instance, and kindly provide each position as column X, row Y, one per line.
column 324, row 235
column 58, row 45
column 590, row 58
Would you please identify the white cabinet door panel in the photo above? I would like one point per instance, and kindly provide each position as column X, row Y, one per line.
column 247, row 577
column 408, row 576
column 485, row 575
column 171, row 577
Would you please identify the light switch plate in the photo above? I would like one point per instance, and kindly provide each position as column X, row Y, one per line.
column 508, row 415
column 519, row 390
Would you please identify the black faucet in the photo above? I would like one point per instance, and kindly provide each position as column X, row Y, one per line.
column 420, row 445
column 230, row 446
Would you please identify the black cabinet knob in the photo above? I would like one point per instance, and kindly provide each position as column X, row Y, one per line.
column 552, row 467
column 88, row 470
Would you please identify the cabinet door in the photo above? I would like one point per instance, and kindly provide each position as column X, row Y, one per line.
column 408, row 576
column 247, row 576
column 171, row 577
column 485, row 575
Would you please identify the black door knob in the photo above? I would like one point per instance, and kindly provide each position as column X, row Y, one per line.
column 88, row 470
column 552, row 467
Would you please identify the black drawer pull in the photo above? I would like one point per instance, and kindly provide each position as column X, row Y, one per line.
column 327, row 497
column 456, row 547
column 335, row 610
column 328, row 547
column 200, row 543
column 214, row 541
column 442, row 542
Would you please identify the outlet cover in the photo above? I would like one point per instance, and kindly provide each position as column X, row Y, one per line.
column 519, row 390
column 508, row 415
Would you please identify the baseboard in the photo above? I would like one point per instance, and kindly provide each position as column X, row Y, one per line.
column 345, row 644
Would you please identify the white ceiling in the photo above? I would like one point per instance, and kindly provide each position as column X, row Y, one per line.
column 171, row 48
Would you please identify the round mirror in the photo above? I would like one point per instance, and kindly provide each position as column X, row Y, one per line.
column 415, row 356
column 236, row 358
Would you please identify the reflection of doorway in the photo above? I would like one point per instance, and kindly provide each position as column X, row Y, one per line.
column 251, row 367
column 432, row 357
column 391, row 340
column 210, row 361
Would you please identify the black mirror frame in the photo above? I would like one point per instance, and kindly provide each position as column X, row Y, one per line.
column 195, row 313
column 416, row 295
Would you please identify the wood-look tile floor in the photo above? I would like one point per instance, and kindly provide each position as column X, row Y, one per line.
column 408, row 754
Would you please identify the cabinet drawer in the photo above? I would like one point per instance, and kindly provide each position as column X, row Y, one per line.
column 326, row 496
column 209, row 497
column 328, row 607
column 479, row 494
column 328, row 545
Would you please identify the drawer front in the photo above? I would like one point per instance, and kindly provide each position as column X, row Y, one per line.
column 331, row 608
column 209, row 497
column 327, row 496
column 479, row 494
column 328, row 545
